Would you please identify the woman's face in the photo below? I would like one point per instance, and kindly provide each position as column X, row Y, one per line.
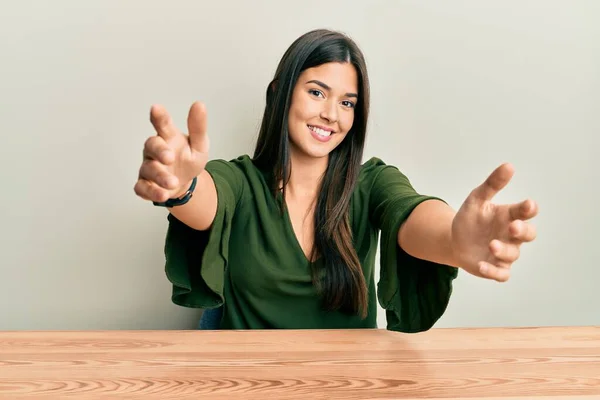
column 322, row 108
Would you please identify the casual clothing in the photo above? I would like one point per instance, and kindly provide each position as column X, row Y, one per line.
column 251, row 262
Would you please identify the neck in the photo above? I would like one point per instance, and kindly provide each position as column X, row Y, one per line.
column 306, row 175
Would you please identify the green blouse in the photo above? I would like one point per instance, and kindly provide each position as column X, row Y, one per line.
column 250, row 260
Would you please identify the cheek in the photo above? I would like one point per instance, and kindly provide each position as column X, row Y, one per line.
column 294, row 115
column 296, row 120
column 346, row 122
column 308, row 110
column 301, row 106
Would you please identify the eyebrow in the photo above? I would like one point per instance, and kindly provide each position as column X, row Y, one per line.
column 326, row 87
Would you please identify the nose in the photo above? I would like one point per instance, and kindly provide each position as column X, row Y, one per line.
column 330, row 111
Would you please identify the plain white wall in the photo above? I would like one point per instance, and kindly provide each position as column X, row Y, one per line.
column 458, row 87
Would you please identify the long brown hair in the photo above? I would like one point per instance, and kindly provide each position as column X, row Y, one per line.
column 341, row 283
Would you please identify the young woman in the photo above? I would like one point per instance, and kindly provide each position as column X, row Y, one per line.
column 287, row 238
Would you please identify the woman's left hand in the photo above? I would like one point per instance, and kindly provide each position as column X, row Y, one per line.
column 487, row 237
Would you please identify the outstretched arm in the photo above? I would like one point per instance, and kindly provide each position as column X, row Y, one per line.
column 482, row 238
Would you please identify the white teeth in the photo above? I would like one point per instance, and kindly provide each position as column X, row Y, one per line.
column 319, row 131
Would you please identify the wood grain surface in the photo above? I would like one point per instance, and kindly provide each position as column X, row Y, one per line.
column 520, row 363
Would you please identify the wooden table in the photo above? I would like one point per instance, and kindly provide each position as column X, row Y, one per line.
column 520, row 363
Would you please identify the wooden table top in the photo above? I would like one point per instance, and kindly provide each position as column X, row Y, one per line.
column 520, row 363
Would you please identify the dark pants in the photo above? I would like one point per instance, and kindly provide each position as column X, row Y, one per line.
column 211, row 319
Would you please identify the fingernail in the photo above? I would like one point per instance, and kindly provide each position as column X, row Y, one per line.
column 483, row 268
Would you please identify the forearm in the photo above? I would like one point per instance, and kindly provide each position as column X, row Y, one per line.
column 199, row 213
column 427, row 233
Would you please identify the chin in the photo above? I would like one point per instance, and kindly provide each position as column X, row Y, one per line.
column 319, row 150
column 319, row 155
column 308, row 152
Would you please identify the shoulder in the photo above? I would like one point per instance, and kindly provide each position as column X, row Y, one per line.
column 240, row 174
column 375, row 170
column 241, row 162
column 372, row 165
column 380, row 181
column 239, row 167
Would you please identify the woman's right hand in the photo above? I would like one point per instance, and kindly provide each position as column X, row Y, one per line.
column 172, row 159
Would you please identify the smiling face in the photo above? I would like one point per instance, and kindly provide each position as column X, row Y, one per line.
column 322, row 109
